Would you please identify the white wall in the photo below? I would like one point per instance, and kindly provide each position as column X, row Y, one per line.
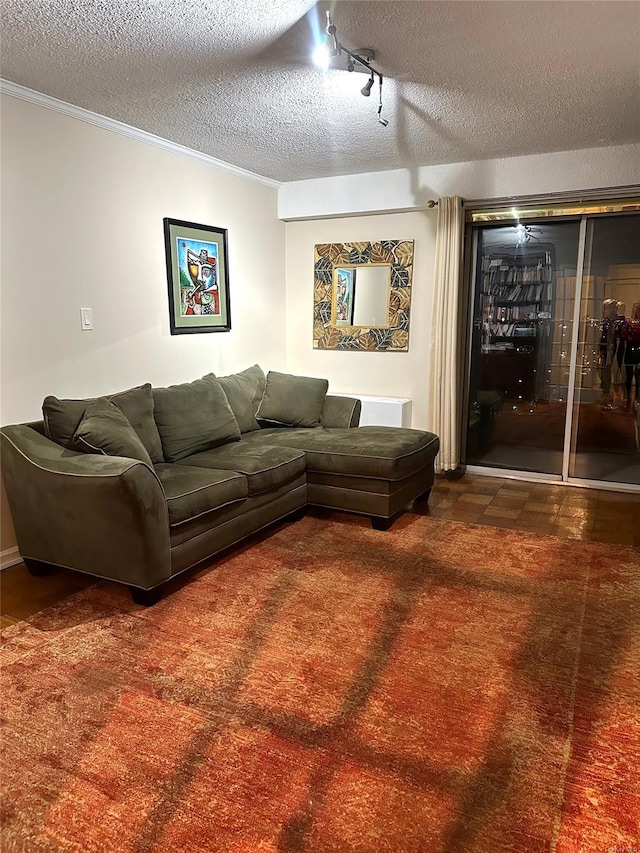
column 404, row 189
column 387, row 374
column 82, row 211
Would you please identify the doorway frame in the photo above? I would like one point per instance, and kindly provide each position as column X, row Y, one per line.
column 588, row 206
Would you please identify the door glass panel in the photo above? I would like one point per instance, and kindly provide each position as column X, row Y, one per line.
column 524, row 292
column 606, row 414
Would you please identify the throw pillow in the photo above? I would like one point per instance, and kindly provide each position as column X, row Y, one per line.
column 62, row 418
column 104, row 429
column 136, row 404
column 293, row 400
column 244, row 391
column 193, row 416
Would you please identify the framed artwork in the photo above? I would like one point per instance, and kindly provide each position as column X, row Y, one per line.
column 198, row 277
column 345, row 280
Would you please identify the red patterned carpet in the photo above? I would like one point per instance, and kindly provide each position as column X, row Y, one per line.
column 436, row 688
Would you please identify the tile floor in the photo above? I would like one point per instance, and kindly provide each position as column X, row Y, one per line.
column 569, row 511
column 565, row 511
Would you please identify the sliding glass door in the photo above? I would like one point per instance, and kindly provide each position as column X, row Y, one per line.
column 554, row 354
column 520, row 355
column 605, row 436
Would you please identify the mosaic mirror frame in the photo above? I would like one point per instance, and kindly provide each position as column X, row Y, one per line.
column 393, row 337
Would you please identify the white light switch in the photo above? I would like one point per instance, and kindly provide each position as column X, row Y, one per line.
column 86, row 320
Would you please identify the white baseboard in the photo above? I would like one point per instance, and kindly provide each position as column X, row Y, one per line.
column 10, row 557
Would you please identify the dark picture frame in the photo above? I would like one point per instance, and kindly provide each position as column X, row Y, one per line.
column 197, row 277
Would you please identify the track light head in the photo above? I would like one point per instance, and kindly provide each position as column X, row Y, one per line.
column 331, row 27
column 366, row 89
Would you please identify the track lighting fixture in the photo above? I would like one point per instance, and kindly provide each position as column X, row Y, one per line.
column 366, row 89
column 381, row 120
column 323, row 54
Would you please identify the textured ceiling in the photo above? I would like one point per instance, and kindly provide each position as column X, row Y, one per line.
column 232, row 78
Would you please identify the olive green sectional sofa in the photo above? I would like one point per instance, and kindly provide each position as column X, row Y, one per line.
column 140, row 486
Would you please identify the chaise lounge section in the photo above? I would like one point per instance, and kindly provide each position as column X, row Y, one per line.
column 141, row 486
column 376, row 471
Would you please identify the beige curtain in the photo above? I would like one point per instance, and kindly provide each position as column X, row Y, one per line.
column 444, row 373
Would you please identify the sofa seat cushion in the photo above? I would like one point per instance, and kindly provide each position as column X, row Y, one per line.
column 265, row 467
column 192, row 492
column 389, row 453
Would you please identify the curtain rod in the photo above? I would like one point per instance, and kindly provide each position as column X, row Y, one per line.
column 570, row 196
column 576, row 196
column 433, row 202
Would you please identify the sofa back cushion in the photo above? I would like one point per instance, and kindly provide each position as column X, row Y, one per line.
column 62, row 418
column 341, row 412
column 105, row 429
column 136, row 405
column 192, row 417
column 293, row 400
column 244, row 391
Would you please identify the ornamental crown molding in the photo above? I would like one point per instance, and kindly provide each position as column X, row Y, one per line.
column 46, row 101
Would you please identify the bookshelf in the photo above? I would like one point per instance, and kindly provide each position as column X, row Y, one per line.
column 516, row 293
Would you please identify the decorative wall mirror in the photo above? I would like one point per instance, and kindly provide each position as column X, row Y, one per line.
column 362, row 295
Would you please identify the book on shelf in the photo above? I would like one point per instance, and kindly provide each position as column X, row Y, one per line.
column 499, row 347
column 496, row 272
column 509, row 330
column 505, row 313
column 516, row 293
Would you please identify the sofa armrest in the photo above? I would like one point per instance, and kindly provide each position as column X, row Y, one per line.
column 341, row 412
column 104, row 515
